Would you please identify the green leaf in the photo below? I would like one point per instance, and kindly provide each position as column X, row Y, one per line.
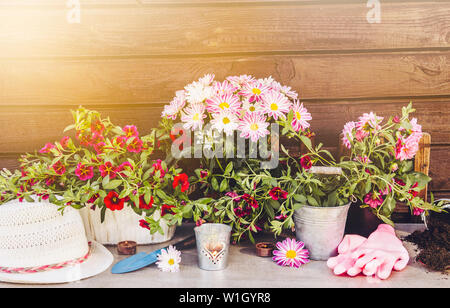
column 300, row 198
column 214, row 184
column 112, row 184
column 306, row 141
column 102, row 214
column 223, row 185
column 228, row 168
column 312, row 201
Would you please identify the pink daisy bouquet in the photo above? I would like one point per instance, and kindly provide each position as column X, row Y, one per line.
column 104, row 166
column 380, row 163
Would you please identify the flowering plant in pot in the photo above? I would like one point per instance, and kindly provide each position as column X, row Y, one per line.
column 107, row 170
column 380, row 163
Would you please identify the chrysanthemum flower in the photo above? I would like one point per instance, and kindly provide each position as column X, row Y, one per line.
column 241, row 81
column 253, row 126
column 223, row 88
column 176, row 105
column 369, row 122
column 193, row 116
column 224, row 102
column 301, row 117
column 254, row 91
column 169, row 260
column 198, row 92
column 291, row 253
column 275, row 104
column 255, row 106
column 207, row 79
column 225, row 121
column 347, row 134
column 406, row 148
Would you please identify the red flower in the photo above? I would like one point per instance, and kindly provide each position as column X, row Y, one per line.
column 130, row 131
column 250, row 200
column 84, row 172
column 182, row 179
column 59, row 167
column 107, row 169
column 143, row 205
column 93, row 198
column 135, row 146
column 64, row 141
column 84, row 137
column 305, row 162
column 97, row 138
column 166, row 209
column 97, row 126
column 199, row 222
column 47, row 148
column 144, row 224
column 49, row 181
column 277, row 193
column 240, row 212
column 413, row 192
column 113, row 202
column 158, row 167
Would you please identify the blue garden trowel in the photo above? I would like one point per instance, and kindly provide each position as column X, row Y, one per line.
column 144, row 259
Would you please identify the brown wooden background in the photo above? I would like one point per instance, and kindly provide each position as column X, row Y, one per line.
column 127, row 58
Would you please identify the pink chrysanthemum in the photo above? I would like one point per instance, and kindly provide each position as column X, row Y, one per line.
column 253, row 126
column 291, row 253
column 193, row 116
column 406, row 148
column 171, row 111
column 254, row 91
column 347, row 133
column 369, row 122
column 242, row 80
column 223, row 88
column 275, row 104
column 301, row 117
column 224, row 102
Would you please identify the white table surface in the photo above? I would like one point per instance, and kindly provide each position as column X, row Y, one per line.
column 246, row 270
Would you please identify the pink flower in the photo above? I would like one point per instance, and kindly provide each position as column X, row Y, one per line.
column 65, row 141
column 291, row 253
column 347, row 133
column 158, row 167
column 59, row 168
column 417, row 211
column 254, row 91
column 97, row 126
column 224, row 102
column 130, row 131
column 241, row 81
column 84, row 172
column 144, row 224
column 275, row 104
column 223, row 88
column 406, row 148
column 47, row 148
column 193, row 116
column 301, row 117
column 121, row 141
column 135, row 146
column 97, row 138
column 369, row 122
column 176, row 105
column 99, row 147
column 373, row 200
column 233, row 195
column 277, row 193
column 305, row 162
column 124, row 166
column 250, row 201
column 253, row 126
column 107, row 169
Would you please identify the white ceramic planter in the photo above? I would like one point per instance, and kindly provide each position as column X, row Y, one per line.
column 122, row 225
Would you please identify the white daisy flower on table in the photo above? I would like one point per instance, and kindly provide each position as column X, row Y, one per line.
column 169, row 260
column 275, row 104
column 225, row 121
column 207, row 79
column 193, row 116
column 253, row 126
column 252, row 107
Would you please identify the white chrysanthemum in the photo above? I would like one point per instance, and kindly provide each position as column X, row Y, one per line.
column 253, row 126
column 197, row 92
column 225, row 121
column 252, row 107
column 193, row 116
column 169, row 260
column 171, row 111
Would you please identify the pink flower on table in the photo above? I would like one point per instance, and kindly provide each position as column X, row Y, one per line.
column 220, row 103
column 253, row 126
column 275, row 104
column 290, row 253
column 130, row 131
column 347, row 134
column 369, row 122
column 47, row 148
column 277, row 193
column 108, row 169
column 59, row 168
column 254, row 91
column 406, row 148
column 84, row 172
column 193, row 116
column 301, row 117
column 373, row 200
column 135, row 145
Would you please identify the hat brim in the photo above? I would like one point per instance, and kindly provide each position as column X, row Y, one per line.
column 99, row 260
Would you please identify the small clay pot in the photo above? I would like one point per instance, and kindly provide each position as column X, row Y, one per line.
column 264, row 249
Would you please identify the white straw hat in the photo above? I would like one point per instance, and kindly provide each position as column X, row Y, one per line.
column 38, row 244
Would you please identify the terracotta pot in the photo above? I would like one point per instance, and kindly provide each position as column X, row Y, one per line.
column 361, row 221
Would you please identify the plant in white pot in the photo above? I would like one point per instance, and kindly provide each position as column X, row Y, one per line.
column 107, row 172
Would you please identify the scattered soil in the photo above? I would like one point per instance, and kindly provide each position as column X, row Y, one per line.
column 434, row 243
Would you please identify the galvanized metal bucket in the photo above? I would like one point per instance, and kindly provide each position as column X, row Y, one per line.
column 321, row 229
column 213, row 243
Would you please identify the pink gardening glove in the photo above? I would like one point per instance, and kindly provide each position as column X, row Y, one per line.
column 380, row 253
column 344, row 262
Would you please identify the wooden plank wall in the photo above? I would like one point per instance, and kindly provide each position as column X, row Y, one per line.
column 127, row 58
